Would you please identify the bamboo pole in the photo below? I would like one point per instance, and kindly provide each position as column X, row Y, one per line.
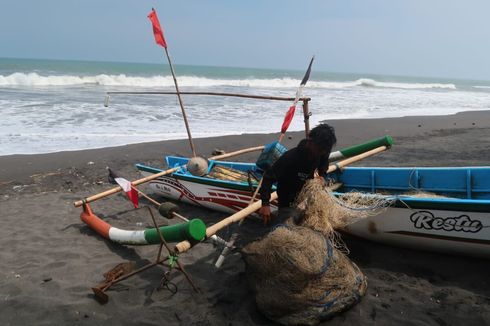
column 306, row 115
column 238, row 216
column 184, row 115
column 214, row 238
column 259, row 97
column 157, row 175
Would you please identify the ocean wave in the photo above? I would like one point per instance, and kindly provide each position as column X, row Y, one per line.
column 34, row 79
column 373, row 83
column 482, row 87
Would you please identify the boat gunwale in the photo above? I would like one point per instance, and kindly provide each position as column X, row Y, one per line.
column 400, row 201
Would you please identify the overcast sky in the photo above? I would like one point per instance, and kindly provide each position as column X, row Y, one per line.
column 413, row 37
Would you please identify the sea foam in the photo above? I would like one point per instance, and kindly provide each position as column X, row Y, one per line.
column 34, row 79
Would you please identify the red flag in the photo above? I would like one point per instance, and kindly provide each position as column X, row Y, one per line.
column 288, row 118
column 157, row 29
column 129, row 190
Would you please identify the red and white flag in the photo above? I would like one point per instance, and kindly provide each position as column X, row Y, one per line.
column 299, row 92
column 157, row 29
column 126, row 186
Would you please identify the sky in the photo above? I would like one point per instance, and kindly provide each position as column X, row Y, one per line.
column 432, row 38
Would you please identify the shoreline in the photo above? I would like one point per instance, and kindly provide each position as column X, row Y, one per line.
column 51, row 259
column 469, row 118
column 348, row 131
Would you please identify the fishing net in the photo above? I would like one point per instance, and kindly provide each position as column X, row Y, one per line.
column 298, row 273
column 423, row 194
column 326, row 213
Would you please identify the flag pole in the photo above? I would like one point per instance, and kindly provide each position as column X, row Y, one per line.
column 191, row 142
column 160, row 40
column 285, row 125
column 290, row 114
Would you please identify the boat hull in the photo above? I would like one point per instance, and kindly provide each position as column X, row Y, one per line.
column 204, row 195
column 452, row 232
column 448, row 225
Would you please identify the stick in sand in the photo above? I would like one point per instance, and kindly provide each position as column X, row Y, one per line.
column 238, row 216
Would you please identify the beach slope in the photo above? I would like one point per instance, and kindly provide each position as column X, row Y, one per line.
column 50, row 259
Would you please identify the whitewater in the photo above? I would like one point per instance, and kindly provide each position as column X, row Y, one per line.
column 49, row 106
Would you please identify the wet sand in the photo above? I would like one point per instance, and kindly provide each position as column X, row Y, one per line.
column 50, row 259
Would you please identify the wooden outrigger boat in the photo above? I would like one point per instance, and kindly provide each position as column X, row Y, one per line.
column 457, row 221
column 226, row 186
column 458, row 224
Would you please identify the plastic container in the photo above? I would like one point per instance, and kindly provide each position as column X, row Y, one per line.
column 270, row 154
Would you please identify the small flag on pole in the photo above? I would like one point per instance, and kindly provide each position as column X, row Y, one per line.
column 290, row 114
column 307, row 74
column 288, row 118
column 157, row 29
column 126, row 186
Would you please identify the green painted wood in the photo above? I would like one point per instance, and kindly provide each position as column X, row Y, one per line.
column 364, row 147
column 192, row 231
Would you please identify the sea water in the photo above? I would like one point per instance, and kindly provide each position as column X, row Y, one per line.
column 48, row 106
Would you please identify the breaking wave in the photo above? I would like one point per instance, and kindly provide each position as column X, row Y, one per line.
column 373, row 83
column 34, row 79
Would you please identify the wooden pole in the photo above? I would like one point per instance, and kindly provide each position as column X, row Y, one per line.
column 185, row 245
column 258, row 97
column 306, row 114
column 157, row 175
column 238, row 216
column 181, row 105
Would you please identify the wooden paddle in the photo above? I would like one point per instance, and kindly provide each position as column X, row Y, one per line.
column 238, row 216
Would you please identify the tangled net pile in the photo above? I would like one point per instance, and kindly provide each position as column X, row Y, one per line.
column 298, row 273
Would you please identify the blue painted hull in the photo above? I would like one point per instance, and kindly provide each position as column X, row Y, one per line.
column 457, row 224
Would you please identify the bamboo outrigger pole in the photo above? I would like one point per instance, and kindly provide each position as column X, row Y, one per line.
column 160, row 174
column 160, row 40
column 335, row 156
column 259, row 97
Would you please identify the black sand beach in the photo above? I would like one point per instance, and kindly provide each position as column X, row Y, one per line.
column 50, row 259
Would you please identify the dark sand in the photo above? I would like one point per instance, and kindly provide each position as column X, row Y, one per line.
column 50, row 259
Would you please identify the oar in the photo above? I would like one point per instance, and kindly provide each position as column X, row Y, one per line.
column 157, row 175
column 238, row 216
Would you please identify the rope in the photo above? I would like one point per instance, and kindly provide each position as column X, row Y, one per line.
column 169, row 285
column 165, row 282
column 172, row 260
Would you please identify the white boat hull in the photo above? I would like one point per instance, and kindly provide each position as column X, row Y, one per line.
column 208, row 196
column 450, row 232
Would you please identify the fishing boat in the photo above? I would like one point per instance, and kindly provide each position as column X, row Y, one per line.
column 228, row 186
column 436, row 209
